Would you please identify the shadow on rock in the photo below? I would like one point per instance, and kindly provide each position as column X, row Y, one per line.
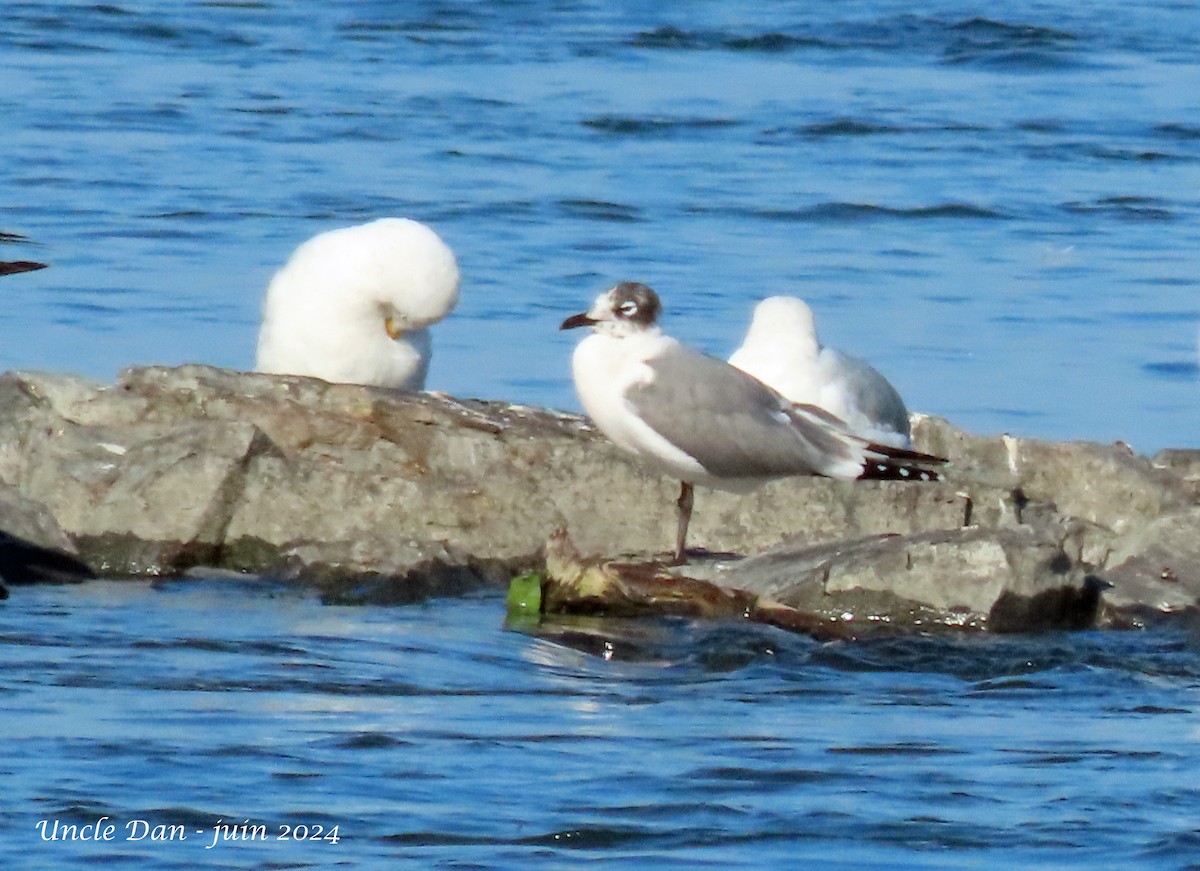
column 22, row 562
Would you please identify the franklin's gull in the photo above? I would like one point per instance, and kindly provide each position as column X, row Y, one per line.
column 703, row 421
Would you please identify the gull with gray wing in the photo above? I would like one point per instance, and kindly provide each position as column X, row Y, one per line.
column 703, row 421
column 781, row 349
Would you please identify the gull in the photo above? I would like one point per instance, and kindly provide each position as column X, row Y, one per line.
column 354, row 305
column 781, row 350
column 702, row 421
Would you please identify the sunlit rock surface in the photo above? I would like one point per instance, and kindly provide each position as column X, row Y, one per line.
column 381, row 496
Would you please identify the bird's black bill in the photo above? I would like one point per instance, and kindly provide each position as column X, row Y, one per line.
column 579, row 320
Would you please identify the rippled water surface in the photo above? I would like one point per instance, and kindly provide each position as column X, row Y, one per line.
column 431, row 735
column 997, row 205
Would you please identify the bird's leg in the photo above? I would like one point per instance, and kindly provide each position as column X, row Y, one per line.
column 684, row 514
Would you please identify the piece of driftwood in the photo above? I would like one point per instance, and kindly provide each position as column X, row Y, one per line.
column 578, row 585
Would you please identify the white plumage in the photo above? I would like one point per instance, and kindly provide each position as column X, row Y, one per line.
column 704, row 421
column 782, row 350
column 354, row 305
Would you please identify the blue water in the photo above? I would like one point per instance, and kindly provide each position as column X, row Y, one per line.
column 997, row 205
column 427, row 734
column 1002, row 213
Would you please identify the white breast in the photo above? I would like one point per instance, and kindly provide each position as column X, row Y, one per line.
column 605, row 368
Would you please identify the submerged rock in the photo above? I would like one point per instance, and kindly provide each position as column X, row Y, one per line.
column 383, row 496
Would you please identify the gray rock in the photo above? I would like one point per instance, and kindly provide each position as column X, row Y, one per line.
column 1184, row 462
column 390, row 573
column 1103, row 484
column 33, row 548
column 951, row 578
column 1107, row 485
column 378, row 495
column 269, row 469
column 982, row 460
column 1158, row 565
column 1084, row 542
column 141, row 502
column 31, row 521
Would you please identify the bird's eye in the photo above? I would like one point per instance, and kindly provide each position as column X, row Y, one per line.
column 628, row 308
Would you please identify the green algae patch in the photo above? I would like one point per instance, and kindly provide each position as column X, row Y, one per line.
column 524, row 601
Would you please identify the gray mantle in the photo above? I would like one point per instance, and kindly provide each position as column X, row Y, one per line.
column 374, row 495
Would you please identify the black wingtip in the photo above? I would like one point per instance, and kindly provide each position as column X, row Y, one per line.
column 906, row 455
column 900, row 464
column 887, row 470
column 888, row 463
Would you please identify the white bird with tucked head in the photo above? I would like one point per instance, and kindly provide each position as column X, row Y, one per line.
column 781, row 350
column 703, row 421
column 354, row 305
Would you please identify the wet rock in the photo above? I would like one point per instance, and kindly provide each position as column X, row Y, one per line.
column 390, row 573
column 950, row 578
column 22, row 562
column 383, row 496
column 33, row 548
column 1066, row 607
column 867, row 587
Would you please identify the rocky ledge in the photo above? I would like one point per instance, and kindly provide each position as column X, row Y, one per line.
column 378, row 496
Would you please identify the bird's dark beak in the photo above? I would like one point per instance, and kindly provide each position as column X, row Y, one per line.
column 579, row 320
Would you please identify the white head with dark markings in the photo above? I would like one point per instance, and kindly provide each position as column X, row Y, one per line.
column 628, row 309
